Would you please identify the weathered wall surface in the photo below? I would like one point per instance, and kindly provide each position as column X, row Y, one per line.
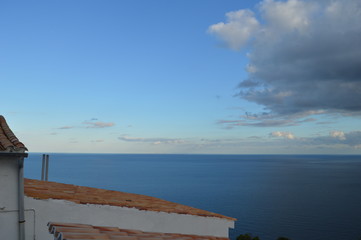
column 8, row 198
column 128, row 218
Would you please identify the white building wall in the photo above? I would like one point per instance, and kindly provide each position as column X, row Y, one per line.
column 8, row 198
column 127, row 218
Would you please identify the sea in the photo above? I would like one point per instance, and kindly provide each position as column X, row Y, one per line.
column 301, row 197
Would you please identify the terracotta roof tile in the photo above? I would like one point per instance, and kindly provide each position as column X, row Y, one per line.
column 68, row 231
column 87, row 195
column 8, row 141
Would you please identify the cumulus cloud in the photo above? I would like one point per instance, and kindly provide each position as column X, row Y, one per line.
column 338, row 134
column 238, row 30
column 289, row 15
column 155, row 141
column 286, row 135
column 92, row 124
column 304, row 57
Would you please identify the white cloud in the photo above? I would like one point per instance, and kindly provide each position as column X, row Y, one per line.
column 304, row 58
column 289, row 15
column 286, row 135
column 98, row 124
column 338, row 134
column 237, row 30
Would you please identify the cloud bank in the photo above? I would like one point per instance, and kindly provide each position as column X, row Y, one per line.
column 347, row 139
column 342, row 139
column 304, row 57
column 155, row 141
column 338, row 142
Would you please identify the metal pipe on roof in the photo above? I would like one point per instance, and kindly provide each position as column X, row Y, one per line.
column 43, row 168
column 21, row 199
column 46, row 167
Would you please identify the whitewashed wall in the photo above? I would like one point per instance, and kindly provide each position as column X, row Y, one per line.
column 128, row 218
column 9, row 215
column 8, row 198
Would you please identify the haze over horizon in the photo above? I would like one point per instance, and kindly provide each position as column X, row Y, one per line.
column 207, row 76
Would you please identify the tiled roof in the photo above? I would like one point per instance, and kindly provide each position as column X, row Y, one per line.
column 8, row 141
column 68, row 231
column 87, row 195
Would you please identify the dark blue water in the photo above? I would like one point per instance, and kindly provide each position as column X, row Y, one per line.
column 300, row 197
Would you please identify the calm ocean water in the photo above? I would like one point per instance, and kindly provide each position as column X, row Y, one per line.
column 301, row 197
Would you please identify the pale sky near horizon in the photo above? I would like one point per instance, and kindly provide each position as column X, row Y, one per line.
column 182, row 76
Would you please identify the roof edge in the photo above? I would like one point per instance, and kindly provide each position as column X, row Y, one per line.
column 13, row 154
column 85, row 195
column 8, row 141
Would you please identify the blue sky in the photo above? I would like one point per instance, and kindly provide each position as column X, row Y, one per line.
column 207, row 76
